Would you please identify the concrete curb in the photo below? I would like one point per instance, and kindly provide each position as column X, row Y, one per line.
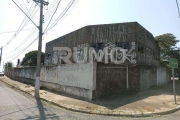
column 147, row 114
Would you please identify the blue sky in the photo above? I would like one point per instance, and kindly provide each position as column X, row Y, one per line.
column 157, row 16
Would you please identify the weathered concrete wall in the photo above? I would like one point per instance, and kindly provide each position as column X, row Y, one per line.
column 111, row 79
column 94, row 80
column 25, row 72
column 70, row 90
column 153, row 76
column 163, row 75
column 148, row 77
column 76, row 75
column 75, row 79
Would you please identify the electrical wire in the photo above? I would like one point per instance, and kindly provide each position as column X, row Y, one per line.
column 55, row 22
column 50, row 11
column 28, row 10
column 15, row 31
column 53, row 14
column 22, row 25
column 178, row 8
column 20, row 5
column 25, row 40
column 24, row 50
column 27, row 20
column 28, row 37
column 61, row 15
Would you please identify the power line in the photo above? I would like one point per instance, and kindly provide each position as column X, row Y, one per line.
column 25, row 21
column 27, row 9
column 178, row 8
column 16, row 31
column 50, row 11
column 1, row 55
column 20, row 5
column 55, row 22
column 61, row 15
column 31, row 13
column 21, row 49
column 24, row 50
column 28, row 19
column 53, row 15
column 25, row 13
column 23, row 24
column 29, row 36
column 25, row 40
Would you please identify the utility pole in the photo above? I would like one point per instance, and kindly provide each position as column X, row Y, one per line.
column 1, row 55
column 38, row 68
column 40, row 27
column 174, row 89
column 178, row 8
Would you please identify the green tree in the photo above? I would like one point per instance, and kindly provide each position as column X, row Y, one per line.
column 30, row 59
column 9, row 65
column 167, row 43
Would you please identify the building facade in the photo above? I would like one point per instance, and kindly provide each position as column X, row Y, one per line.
column 138, row 70
column 136, row 40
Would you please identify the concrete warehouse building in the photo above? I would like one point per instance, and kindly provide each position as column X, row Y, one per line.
column 90, row 80
column 126, row 35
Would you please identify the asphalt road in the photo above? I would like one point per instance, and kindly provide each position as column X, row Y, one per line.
column 17, row 105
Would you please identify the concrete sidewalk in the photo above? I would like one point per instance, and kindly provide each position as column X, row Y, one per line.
column 159, row 100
